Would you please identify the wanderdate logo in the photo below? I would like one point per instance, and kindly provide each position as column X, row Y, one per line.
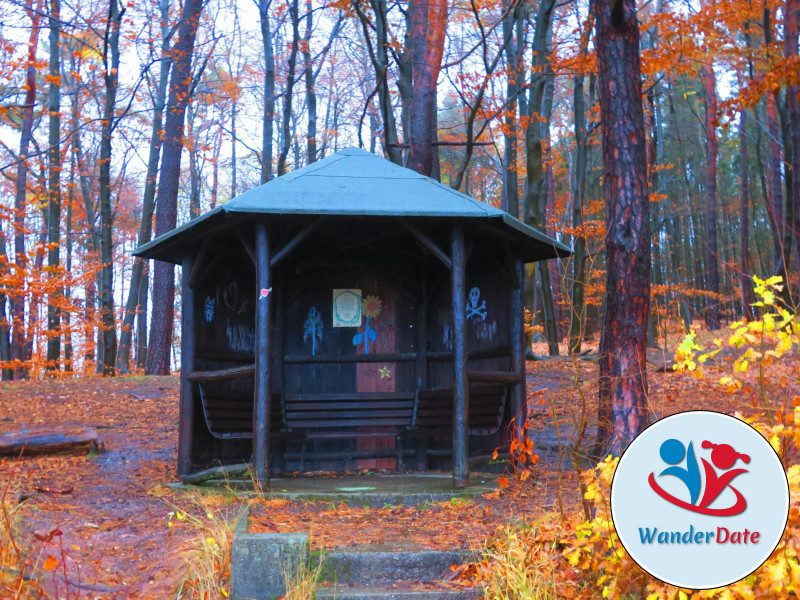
column 723, row 457
column 699, row 499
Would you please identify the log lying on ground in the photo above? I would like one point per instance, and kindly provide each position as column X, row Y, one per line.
column 222, row 472
column 65, row 440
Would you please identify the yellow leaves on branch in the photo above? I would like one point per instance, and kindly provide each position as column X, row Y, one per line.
column 760, row 341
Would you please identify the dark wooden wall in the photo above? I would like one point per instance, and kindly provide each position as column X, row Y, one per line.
column 404, row 280
column 225, row 338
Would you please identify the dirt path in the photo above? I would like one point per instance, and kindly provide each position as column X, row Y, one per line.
column 116, row 541
column 113, row 523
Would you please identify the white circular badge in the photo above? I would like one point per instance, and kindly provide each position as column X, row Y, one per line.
column 699, row 499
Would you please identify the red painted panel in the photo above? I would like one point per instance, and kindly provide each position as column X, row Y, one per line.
column 378, row 377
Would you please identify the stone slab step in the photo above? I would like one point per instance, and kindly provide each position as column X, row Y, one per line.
column 390, row 592
column 371, row 564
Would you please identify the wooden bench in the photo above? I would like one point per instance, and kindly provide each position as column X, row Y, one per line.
column 433, row 414
column 230, row 416
column 348, row 415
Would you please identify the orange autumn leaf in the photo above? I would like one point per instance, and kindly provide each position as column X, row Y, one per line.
column 50, row 563
column 503, row 482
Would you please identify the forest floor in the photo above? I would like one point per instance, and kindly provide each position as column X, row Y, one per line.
column 116, row 514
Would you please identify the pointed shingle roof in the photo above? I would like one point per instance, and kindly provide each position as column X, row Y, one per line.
column 354, row 182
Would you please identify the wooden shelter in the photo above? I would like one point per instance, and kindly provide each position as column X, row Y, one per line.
column 351, row 314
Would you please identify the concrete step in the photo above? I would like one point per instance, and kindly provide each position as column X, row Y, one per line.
column 378, row 564
column 393, row 592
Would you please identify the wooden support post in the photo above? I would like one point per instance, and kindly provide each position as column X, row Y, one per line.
column 278, row 299
column 421, row 366
column 261, row 409
column 460, row 382
column 186, row 420
column 519, row 403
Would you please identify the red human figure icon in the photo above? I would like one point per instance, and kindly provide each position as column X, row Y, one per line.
column 724, row 457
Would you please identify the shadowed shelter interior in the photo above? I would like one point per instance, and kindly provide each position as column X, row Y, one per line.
column 422, row 366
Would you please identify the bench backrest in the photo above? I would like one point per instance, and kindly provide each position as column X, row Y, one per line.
column 348, row 410
column 229, row 415
column 486, row 407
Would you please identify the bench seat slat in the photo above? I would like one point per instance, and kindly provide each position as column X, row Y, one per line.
column 291, row 415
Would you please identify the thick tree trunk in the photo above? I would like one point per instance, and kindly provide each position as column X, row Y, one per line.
column 54, row 186
column 429, row 24
column 158, row 351
column 623, row 368
column 20, row 198
column 139, row 282
column 710, row 243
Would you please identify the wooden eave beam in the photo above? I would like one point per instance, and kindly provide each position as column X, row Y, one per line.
column 295, row 242
column 429, row 244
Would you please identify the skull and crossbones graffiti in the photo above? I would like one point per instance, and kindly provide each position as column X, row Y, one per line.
column 473, row 308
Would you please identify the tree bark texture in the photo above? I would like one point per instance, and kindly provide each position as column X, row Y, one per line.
column 429, row 24
column 168, row 182
column 623, row 367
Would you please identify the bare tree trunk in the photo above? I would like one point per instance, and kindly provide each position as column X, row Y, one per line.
column 158, row 351
column 579, row 247
column 289, row 90
column 789, row 218
column 5, row 339
column 744, row 216
column 712, row 251
column 215, row 171
column 311, row 94
column 510, row 201
column 111, row 76
column 429, row 24
column 535, row 182
column 21, row 190
column 776, row 183
column 268, row 121
column 139, row 281
column 54, row 186
column 623, row 368
column 791, row 25
column 68, row 360
column 379, row 56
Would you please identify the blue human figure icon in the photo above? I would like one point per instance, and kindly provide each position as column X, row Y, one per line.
column 672, row 453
